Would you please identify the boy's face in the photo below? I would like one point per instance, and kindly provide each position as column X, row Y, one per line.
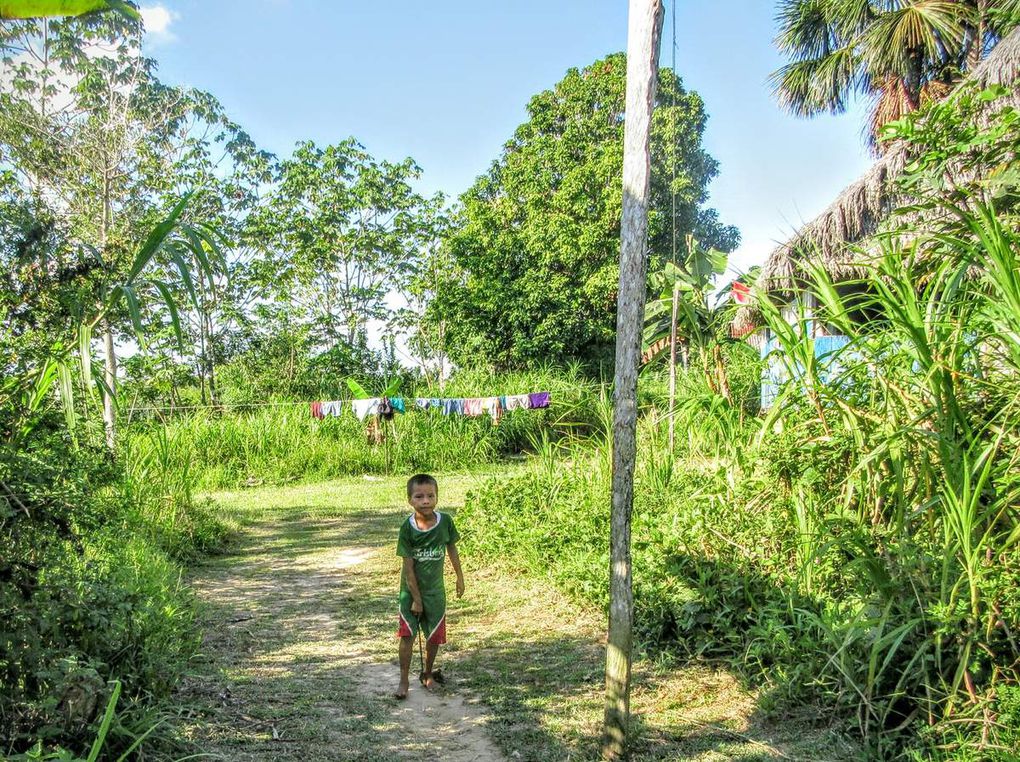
column 423, row 499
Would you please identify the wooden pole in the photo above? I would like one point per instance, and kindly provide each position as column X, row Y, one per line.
column 644, row 29
column 672, row 370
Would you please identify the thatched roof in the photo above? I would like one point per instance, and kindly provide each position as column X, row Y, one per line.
column 859, row 210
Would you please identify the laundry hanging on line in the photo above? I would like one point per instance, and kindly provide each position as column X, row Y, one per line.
column 494, row 407
column 327, row 409
column 364, row 408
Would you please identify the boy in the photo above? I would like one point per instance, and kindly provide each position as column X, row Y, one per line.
column 423, row 542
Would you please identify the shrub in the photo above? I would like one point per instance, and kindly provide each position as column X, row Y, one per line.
column 90, row 591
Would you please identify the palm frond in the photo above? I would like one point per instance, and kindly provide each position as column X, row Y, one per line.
column 805, row 28
column 901, row 40
column 811, row 86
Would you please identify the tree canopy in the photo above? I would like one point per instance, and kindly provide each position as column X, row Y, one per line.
column 532, row 272
column 901, row 54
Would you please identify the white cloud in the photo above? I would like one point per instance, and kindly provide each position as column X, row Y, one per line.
column 157, row 20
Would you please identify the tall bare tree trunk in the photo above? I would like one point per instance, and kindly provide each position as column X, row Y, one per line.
column 110, row 376
column 672, row 369
column 643, row 33
column 211, row 362
column 201, row 357
column 110, row 373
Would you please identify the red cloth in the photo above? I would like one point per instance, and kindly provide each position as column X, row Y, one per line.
column 741, row 292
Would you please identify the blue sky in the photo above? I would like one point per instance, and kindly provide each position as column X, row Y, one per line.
column 447, row 82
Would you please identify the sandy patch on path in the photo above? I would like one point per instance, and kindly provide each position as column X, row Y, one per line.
column 450, row 728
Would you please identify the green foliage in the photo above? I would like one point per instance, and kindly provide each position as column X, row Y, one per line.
column 89, row 589
column 25, row 9
column 962, row 146
column 282, row 442
column 904, row 55
column 342, row 230
column 284, row 365
column 531, row 260
column 702, row 319
column 856, row 548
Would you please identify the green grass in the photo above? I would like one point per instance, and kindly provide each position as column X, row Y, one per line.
column 290, row 627
column 283, row 444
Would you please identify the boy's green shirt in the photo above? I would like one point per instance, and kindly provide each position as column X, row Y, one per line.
column 428, row 549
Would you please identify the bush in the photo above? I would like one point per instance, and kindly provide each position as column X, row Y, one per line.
column 90, row 591
column 764, row 551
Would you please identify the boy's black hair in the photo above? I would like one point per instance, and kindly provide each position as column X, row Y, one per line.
column 418, row 479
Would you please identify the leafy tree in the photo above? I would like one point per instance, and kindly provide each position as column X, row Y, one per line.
column 105, row 149
column 429, row 274
column 211, row 152
column 902, row 53
column 535, row 244
column 343, row 230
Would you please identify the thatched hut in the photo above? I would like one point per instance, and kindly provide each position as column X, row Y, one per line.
column 859, row 211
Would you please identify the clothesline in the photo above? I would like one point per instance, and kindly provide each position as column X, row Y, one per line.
column 257, row 404
column 494, row 406
column 215, row 406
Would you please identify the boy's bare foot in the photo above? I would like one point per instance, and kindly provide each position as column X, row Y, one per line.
column 401, row 692
column 429, row 681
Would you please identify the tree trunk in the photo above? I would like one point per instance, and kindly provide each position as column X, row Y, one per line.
column 644, row 30
column 976, row 47
column 672, row 370
column 201, row 357
column 109, row 408
column 207, row 360
column 110, row 376
column 211, row 349
column 720, row 372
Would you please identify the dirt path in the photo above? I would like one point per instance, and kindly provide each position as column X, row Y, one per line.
column 299, row 670
column 299, row 655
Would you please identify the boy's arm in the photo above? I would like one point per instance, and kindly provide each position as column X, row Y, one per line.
column 455, row 560
column 412, row 585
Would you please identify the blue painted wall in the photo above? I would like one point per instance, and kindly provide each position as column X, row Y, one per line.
column 774, row 374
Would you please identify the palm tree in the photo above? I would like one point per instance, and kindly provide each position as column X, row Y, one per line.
column 901, row 53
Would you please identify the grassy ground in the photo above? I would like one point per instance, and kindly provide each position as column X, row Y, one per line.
column 300, row 654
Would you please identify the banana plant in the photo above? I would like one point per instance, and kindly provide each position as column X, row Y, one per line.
column 360, row 393
column 194, row 251
column 702, row 318
column 29, row 9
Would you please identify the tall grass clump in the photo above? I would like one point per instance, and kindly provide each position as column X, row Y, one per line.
column 855, row 548
column 280, row 443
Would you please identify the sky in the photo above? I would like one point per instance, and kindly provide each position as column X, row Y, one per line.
column 447, row 82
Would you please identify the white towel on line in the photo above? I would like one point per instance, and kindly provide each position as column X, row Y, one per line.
column 365, row 408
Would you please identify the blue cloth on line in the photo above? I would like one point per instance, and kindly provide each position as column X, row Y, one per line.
column 453, row 406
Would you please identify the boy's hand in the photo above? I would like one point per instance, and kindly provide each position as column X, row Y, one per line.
column 460, row 587
column 416, row 607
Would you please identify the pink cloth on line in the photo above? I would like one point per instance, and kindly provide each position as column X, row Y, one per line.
column 473, row 406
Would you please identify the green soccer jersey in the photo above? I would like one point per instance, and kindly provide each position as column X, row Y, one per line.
column 428, row 549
